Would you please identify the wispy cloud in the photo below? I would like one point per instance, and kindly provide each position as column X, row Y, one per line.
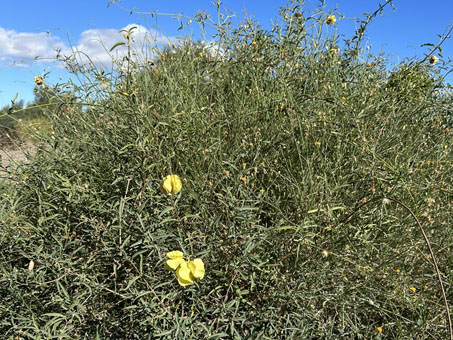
column 21, row 48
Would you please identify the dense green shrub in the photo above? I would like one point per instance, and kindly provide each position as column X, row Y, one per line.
column 280, row 139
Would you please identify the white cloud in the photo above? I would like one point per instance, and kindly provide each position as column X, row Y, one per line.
column 20, row 48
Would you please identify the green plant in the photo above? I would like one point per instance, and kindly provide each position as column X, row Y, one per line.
column 277, row 137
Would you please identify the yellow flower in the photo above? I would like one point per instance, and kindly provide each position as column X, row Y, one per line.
column 331, row 20
column 425, row 287
column 318, row 143
column 253, row 42
column 171, row 184
column 343, row 99
column 413, row 289
column 196, row 268
column 398, row 271
column 244, row 179
column 39, row 81
column 379, row 329
column 244, row 165
column 175, row 259
column 433, row 60
column 184, row 274
column 250, row 90
column 262, row 191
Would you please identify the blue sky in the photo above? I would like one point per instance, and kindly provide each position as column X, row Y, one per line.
column 36, row 28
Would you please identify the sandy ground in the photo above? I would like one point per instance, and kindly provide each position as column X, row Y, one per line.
column 9, row 156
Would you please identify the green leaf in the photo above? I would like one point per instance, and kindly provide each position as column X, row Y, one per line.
column 286, row 227
column 116, row 45
column 131, row 282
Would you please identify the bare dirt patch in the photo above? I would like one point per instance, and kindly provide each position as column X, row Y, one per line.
column 12, row 151
column 9, row 156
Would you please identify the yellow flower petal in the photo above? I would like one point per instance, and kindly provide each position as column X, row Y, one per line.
column 196, row 268
column 175, row 254
column 171, row 184
column 166, row 186
column 39, row 81
column 331, row 20
column 184, row 275
column 174, row 263
column 176, row 184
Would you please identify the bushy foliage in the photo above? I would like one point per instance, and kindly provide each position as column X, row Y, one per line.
column 20, row 122
column 285, row 146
